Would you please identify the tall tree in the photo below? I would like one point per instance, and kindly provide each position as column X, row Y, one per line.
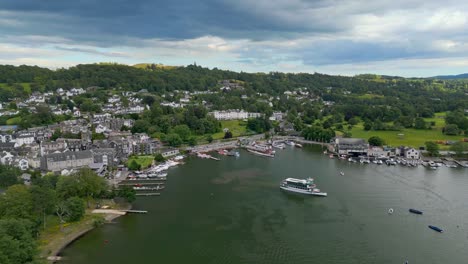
column 432, row 148
column 16, row 203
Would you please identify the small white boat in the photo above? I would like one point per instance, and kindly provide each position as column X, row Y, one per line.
column 390, row 211
column 279, row 146
column 342, row 173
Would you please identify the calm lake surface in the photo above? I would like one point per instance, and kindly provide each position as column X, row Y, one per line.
column 233, row 211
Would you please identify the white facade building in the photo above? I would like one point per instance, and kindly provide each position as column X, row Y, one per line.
column 24, row 139
column 411, row 153
column 234, row 114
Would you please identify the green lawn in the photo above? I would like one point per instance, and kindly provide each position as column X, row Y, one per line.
column 14, row 121
column 439, row 120
column 370, row 96
column 26, row 87
column 237, row 127
column 407, row 137
column 144, row 161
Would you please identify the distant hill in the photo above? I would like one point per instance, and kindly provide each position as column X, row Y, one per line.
column 452, row 77
column 153, row 66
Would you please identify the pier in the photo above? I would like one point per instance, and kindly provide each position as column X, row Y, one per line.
column 462, row 163
column 148, row 194
column 135, row 211
column 146, row 183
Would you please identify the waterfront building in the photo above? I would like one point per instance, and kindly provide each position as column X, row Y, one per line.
column 351, row 146
column 411, row 153
column 67, row 160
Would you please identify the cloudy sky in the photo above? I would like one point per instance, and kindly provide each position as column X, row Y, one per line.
column 399, row 37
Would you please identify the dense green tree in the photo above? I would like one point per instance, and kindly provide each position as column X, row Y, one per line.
column 90, row 184
column 68, row 187
column 457, row 118
column 174, row 140
column 134, row 166
column 16, row 203
column 183, row 131
column 227, row 134
column 75, row 209
column 192, row 141
column 127, row 192
column 17, row 244
column 140, row 126
column 419, row 123
column 317, row 133
column 451, row 129
column 9, row 175
column 376, row 141
column 432, row 148
column 43, row 201
column 159, row 157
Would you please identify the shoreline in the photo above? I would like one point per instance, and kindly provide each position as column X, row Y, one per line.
column 55, row 253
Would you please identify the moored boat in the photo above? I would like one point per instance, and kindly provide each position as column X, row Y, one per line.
column 261, row 153
column 414, row 211
column 279, row 146
column 435, row 228
column 301, row 186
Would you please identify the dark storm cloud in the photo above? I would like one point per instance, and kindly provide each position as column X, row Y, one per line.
column 163, row 19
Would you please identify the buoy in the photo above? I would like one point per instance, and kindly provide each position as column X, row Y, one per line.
column 390, row 211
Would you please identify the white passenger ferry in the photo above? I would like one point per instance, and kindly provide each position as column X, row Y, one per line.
column 302, row 186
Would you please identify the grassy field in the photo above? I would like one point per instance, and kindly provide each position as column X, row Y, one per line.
column 144, row 161
column 237, row 127
column 409, row 137
column 14, row 121
column 26, row 87
column 370, row 96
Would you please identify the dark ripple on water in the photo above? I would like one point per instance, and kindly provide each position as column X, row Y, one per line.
column 242, row 176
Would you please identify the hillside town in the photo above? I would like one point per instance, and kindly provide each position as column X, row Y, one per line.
column 104, row 139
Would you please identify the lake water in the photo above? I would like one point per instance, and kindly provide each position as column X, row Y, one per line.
column 233, row 211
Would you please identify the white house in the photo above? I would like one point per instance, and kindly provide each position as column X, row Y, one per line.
column 24, row 139
column 411, row 153
column 136, row 109
column 4, row 138
column 23, row 164
column 6, row 157
column 77, row 113
column 101, row 129
column 277, row 116
column 114, row 99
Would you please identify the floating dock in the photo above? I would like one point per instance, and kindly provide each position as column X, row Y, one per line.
column 148, row 194
column 143, row 184
column 135, row 211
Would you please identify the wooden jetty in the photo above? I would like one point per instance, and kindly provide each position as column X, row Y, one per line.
column 135, row 211
column 148, row 194
column 462, row 163
column 145, row 180
column 146, row 183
